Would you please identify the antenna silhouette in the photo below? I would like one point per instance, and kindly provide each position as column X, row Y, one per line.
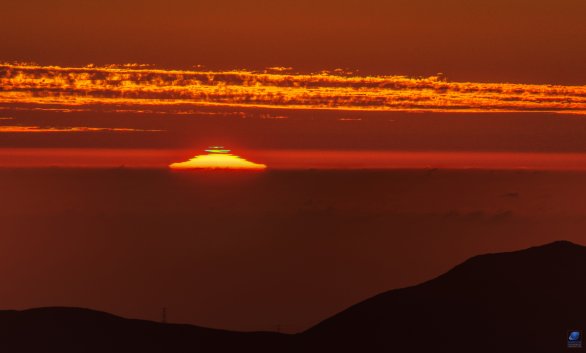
column 164, row 316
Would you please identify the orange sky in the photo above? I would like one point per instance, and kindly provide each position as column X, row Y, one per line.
column 291, row 159
column 427, row 88
column 245, row 129
column 526, row 41
column 419, row 75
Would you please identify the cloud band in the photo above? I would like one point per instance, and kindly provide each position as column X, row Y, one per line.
column 136, row 86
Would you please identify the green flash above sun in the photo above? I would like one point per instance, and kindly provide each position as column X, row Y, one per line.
column 217, row 149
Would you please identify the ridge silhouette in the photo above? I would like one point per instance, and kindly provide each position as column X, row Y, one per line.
column 521, row 301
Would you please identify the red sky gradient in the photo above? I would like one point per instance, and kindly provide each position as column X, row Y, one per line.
column 297, row 139
column 295, row 159
column 310, row 75
column 470, row 117
column 526, row 41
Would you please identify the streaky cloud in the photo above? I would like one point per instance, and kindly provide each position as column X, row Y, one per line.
column 141, row 88
column 41, row 129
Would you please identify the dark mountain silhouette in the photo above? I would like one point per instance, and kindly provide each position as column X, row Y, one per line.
column 69, row 330
column 523, row 301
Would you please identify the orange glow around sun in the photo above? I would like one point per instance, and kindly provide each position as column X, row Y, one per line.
column 217, row 158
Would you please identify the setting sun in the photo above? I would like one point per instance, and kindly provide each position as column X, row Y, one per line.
column 217, row 158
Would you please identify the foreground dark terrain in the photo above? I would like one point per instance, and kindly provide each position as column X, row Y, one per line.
column 523, row 301
column 275, row 251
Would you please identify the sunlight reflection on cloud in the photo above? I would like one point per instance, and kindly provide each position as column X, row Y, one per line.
column 138, row 87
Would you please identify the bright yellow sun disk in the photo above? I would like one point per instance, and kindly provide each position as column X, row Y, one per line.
column 217, row 161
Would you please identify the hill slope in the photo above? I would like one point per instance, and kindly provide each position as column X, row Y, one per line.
column 69, row 330
column 523, row 301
